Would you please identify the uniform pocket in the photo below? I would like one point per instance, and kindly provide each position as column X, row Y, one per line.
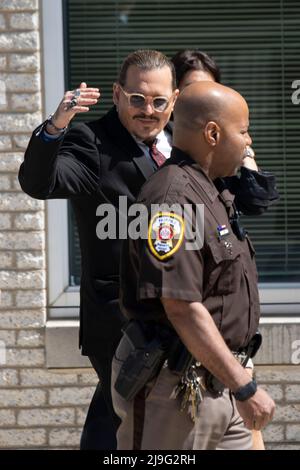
column 162, row 385
column 123, row 350
column 226, row 270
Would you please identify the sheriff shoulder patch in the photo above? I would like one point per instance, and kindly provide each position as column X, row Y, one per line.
column 165, row 234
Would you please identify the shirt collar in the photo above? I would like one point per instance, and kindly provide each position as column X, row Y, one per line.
column 161, row 137
column 163, row 143
column 182, row 158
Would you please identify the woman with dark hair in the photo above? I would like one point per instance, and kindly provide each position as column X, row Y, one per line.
column 193, row 66
column 254, row 190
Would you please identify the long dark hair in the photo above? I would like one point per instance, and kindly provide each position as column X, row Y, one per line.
column 187, row 60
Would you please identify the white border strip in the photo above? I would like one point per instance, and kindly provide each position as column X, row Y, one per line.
column 57, row 210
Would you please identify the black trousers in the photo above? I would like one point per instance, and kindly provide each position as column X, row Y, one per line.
column 101, row 424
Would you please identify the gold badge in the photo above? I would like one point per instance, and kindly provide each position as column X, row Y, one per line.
column 165, row 234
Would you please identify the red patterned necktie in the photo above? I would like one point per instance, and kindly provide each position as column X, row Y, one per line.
column 155, row 154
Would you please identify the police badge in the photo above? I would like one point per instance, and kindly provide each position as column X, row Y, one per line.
column 165, row 234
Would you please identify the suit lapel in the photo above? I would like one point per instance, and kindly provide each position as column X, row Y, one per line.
column 143, row 165
column 169, row 128
column 121, row 137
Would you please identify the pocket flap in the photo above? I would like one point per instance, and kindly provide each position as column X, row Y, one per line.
column 225, row 250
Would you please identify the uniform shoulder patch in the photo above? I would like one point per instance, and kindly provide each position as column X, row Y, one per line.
column 165, row 234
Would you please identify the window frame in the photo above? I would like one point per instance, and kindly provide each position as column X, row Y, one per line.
column 63, row 299
column 277, row 299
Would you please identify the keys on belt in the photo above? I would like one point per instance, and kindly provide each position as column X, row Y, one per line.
column 190, row 391
column 193, row 383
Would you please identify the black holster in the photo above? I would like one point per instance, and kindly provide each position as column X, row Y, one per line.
column 143, row 362
column 254, row 344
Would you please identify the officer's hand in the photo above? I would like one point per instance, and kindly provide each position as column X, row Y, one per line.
column 249, row 159
column 73, row 102
column 257, row 411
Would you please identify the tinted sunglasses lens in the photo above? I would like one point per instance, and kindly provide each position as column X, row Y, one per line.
column 137, row 101
column 160, row 104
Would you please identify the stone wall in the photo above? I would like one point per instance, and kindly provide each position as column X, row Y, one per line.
column 42, row 408
column 39, row 408
column 283, row 384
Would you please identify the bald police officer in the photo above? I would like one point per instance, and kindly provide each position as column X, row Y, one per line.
column 207, row 295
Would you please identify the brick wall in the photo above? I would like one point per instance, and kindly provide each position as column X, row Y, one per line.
column 39, row 408
column 282, row 382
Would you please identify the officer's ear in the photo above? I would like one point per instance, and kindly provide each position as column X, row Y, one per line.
column 116, row 93
column 212, row 133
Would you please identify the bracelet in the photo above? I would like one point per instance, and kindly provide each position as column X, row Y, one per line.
column 59, row 130
column 245, row 392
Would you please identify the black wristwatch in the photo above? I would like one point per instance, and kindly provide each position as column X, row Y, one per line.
column 245, row 392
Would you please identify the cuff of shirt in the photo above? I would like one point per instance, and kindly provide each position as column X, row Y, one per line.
column 45, row 136
column 149, row 291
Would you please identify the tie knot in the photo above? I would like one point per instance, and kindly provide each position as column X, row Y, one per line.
column 151, row 144
column 155, row 154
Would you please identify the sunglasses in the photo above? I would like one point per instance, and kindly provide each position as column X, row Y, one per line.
column 137, row 100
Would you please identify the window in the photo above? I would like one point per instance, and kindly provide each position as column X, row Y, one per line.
column 256, row 45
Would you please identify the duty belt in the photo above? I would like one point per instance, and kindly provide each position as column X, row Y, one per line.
column 195, row 378
column 212, row 384
column 195, row 381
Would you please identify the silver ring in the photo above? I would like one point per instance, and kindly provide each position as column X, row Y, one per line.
column 73, row 102
column 249, row 152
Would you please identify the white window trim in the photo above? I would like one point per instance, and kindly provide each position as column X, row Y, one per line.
column 276, row 298
column 60, row 294
column 280, row 299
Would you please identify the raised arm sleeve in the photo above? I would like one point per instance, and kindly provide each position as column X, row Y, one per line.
column 254, row 191
column 61, row 168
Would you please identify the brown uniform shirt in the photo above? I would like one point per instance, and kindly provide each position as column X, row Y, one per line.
column 221, row 274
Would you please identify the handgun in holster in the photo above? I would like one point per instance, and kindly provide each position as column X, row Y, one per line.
column 142, row 363
column 213, row 384
column 253, row 346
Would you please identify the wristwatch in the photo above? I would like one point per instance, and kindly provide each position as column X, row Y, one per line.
column 59, row 130
column 245, row 392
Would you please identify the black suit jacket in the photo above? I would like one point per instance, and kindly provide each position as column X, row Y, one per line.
column 95, row 163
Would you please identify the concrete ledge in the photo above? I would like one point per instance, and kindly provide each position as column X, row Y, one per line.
column 279, row 347
column 279, row 341
column 62, row 349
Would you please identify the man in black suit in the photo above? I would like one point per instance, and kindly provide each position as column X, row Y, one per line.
column 92, row 164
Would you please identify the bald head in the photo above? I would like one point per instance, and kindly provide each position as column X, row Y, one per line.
column 211, row 125
column 205, row 101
